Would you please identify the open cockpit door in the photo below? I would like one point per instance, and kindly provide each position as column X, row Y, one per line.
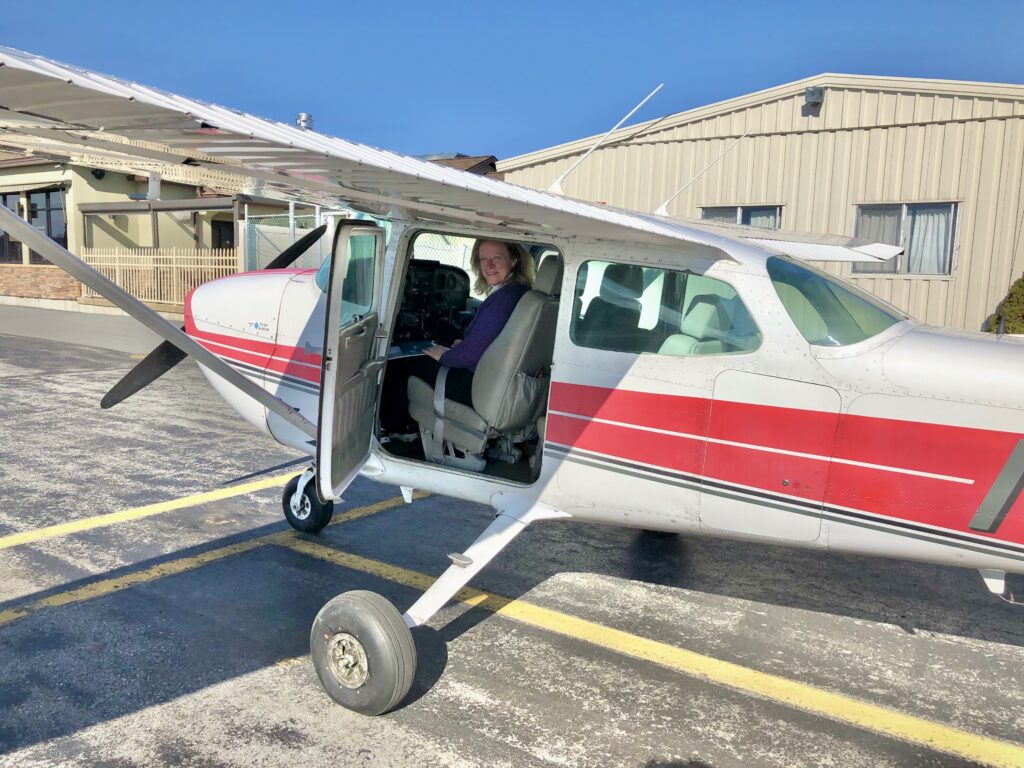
column 350, row 372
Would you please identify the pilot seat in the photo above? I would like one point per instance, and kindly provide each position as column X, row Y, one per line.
column 510, row 387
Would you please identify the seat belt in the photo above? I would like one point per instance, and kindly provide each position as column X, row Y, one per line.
column 439, row 384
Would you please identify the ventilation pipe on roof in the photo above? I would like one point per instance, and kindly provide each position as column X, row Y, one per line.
column 304, row 120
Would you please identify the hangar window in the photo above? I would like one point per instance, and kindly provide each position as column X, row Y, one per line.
column 633, row 308
column 766, row 216
column 925, row 230
column 826, row 312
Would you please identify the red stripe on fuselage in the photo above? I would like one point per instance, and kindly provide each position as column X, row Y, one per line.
column 890, row 444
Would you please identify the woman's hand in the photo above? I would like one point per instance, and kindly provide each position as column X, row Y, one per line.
column 435, row 351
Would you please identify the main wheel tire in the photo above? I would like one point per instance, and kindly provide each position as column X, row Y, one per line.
column 312, row 514
column 362, row 652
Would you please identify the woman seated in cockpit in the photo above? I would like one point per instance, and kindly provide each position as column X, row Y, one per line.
column 504, row 272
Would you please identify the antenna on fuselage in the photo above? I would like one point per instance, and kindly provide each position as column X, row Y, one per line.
column 663, row 208
column 556, row 186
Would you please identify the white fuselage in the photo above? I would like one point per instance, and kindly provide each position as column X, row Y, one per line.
column 891, row 446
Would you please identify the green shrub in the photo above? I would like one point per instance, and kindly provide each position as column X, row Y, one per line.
column 1011, row 310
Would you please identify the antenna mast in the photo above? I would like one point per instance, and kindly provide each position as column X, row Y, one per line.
column 663, row 208
column 556, row 186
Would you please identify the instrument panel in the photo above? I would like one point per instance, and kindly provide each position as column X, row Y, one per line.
column 434, row 302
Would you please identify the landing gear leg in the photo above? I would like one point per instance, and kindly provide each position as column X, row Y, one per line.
column 466, row 565
column 302, row 506
column 361, row 646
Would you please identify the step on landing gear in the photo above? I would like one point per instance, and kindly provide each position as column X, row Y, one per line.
column 302, row 506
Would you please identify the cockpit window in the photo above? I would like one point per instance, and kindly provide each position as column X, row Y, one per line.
column 826, row 312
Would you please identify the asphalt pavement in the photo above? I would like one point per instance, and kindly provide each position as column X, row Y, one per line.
column 155, row 610
column 105, row 331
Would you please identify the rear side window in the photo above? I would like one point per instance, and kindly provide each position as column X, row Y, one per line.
column 633, row 308
column 827, row 312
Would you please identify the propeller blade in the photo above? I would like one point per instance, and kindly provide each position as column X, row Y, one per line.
column 288, row 256
column 158, row 362
column 78, row 269
column 165, row 356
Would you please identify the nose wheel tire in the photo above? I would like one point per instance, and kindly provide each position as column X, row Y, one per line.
column 362, row 652
column 305, row 512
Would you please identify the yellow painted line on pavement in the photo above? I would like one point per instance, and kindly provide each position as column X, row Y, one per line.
column 800, row 696
column 99, row 521
column 181, row 565
column 117, row 583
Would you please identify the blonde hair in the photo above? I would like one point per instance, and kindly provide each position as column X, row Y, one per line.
column 522, row 267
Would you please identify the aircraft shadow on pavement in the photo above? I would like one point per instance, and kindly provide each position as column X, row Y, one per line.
column 68, row 667
column 913, row 596
column 65, row 668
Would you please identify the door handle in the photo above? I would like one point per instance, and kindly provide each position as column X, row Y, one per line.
column 354, row 335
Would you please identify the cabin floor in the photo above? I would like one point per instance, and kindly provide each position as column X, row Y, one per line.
column 520, row 472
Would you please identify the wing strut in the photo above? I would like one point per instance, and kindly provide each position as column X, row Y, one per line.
column 78, row 269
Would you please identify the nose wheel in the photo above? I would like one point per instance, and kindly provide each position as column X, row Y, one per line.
column 302, row 506
column 363, row 652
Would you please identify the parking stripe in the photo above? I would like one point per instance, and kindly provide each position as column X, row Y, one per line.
column 797, row 695
column 171, row 567
column 99, row 521
column 134, row 578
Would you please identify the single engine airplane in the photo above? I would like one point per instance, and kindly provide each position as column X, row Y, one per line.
column 664, row 374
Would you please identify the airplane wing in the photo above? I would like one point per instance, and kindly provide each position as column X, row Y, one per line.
column 67, row 113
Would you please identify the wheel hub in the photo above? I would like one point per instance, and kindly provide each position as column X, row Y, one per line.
column 347, row 660
column 300, row 505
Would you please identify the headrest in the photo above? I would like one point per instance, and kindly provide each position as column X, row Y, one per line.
column 622, row 281
column 549, row 276
column 706, row 318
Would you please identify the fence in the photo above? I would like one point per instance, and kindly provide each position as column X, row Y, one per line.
column 267, row 235
column 160, row 275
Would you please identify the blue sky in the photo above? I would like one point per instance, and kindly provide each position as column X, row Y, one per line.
column 507, row 78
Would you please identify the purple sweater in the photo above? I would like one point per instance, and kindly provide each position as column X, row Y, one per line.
column 486, row 325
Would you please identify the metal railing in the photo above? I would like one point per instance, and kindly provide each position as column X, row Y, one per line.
column 160, row 275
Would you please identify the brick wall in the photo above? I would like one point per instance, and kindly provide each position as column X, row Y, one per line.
column 38, row 282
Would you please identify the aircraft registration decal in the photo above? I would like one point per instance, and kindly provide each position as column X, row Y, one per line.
column 931, row 474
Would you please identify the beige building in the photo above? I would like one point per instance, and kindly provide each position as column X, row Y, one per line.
column 934, row 165
column 156, row 248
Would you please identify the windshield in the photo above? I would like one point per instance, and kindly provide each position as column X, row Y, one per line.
column 824, row 310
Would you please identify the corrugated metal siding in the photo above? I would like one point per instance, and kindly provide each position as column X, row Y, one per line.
column 866, row 146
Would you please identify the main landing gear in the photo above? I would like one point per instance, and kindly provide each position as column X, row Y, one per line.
column 362, row 648
column 302, row 506
column 362, row 652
